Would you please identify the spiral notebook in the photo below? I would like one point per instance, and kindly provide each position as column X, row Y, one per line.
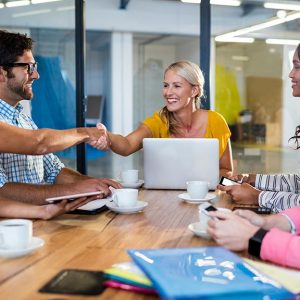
column 206, row 272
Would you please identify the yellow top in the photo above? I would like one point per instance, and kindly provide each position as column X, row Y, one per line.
column 216, row 128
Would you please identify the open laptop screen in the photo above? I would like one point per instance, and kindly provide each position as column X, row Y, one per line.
column 170, row 162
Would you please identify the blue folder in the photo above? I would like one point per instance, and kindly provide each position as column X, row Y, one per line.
column 205, row 273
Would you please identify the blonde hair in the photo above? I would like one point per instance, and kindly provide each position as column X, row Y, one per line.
column 191, row 73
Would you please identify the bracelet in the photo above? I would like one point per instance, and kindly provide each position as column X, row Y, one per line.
column 255, row 242
column 292, row 224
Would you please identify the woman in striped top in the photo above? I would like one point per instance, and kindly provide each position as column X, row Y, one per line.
column 277, row 192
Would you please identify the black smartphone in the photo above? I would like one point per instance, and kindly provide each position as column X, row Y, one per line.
column 207, row 207
column 258, row 210
column 227, row 181
column 76, row 282
column 89, row 212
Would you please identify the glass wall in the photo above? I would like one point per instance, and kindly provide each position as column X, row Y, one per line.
column 53, row 104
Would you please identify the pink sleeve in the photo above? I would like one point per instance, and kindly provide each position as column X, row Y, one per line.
column 294, row 214
column 282, row 248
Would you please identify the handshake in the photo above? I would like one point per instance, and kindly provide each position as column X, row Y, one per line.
column 98, row 137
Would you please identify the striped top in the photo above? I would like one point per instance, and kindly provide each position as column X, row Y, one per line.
column 280, row 192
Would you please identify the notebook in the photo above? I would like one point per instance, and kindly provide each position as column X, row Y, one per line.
column 205, row 273
column 170, row 162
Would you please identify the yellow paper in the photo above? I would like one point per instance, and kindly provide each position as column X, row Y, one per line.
column 287, row 277
column 130, row 276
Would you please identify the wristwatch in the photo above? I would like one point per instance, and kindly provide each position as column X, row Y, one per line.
column 255, row 242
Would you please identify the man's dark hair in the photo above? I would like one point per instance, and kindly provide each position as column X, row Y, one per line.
column 13, row 45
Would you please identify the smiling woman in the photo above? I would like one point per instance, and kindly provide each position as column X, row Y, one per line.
column 180, row 117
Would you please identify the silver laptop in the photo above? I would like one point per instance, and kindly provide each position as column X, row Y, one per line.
column 170, row 162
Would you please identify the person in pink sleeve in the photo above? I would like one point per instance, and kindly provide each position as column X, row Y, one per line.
column 274, row 238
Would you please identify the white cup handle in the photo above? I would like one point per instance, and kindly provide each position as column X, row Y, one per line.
column 1, row 239
column 115, row 199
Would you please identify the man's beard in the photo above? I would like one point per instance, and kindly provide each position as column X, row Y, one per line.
column 20, row 91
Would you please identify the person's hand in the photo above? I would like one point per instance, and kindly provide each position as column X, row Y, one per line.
column 243, row 193
column 94, row 134
column 247, row 178
column 103, row 142
column 94, row 185
column 50, row 211
column 111, row 183
column 230, row 230
column 252, row 217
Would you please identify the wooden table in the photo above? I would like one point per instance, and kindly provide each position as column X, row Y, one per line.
column 97, row 242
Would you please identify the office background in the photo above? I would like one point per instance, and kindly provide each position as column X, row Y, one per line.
column 127, row 50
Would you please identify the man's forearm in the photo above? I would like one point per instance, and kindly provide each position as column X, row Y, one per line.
column 17, row 209
column 68, row 176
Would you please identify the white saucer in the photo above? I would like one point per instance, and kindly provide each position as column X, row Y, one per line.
column 186, row 197
column 36, row 243
column 95, row 204
column 198, row 230
column 127, row 210
column 134, row 185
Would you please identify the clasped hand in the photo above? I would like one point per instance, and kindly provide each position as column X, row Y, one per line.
column 103, row 142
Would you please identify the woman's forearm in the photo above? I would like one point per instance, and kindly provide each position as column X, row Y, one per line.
column 130, row 143
column 120, row 144
column 226, row 164
column 277, row 221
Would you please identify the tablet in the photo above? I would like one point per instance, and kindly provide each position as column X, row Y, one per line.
column 73, row 197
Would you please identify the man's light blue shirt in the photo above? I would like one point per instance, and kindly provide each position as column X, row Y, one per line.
column 37, row 169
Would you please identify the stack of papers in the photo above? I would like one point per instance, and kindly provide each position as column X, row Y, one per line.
column 287, row 277
column 128, row 276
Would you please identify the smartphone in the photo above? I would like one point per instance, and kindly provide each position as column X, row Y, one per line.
column 205, row 208
column 258, row 210
column 88, row 212
column 227, row 181
column 73, row 197
column 76, row 282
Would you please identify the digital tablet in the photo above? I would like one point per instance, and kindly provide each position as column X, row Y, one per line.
column 73, row 197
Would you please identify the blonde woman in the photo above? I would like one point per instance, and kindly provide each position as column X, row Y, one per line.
column 181, row 117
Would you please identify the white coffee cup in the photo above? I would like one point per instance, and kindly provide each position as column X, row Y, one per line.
column 197, row 189
column 125, row 197
column 130, row 176
column 15, row 234
column 204, row 217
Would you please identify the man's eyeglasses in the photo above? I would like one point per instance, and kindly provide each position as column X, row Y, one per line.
column 31, row 67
